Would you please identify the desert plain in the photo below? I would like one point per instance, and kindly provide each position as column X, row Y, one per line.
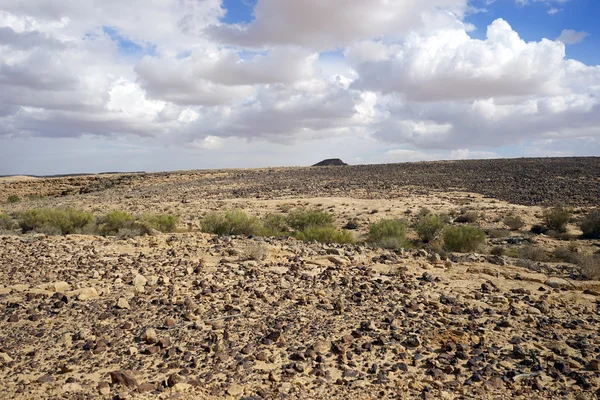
column 193, row 315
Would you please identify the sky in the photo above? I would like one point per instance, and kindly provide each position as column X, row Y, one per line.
column 156, row 85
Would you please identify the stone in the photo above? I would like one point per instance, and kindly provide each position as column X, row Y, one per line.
column 235, row 390
column 139, row 280
column 5, row 358
column 88, row 294
column 45, row 379
column 71, row 387
column 123, row 304
column 61, row 287
column 558, row 283
column 150, row 336
column 146, row 387
column 124, row 377
column 103, row 388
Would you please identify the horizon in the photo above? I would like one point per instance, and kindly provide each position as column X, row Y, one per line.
column 72, row 174
column 226, row 84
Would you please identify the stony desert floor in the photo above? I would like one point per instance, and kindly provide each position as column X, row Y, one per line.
column 190, row 315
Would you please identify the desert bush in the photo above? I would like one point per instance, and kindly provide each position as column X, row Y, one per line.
column 423, row 212
column 539, row 229
column 497, row 251
column 115, row 221
column 590, row 266
column 56, row 221
column 303, row 219
column 497, row 233
column 463, row 238
column 388, row 234
column 590, row 225
column 351, row 225
column 161, row 222
column 533, row 253
column 324, row 234
column 274, row 225
column 6, row 223
column 13, row 198
column 230, row 223
column 514, row 222
column 567, row 254
column 467, row 217
column 429, row 227
column 556, row 219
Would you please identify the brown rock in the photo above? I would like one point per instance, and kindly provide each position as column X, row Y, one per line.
column 124, row 377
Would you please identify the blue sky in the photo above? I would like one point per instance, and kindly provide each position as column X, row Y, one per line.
column 170, row 84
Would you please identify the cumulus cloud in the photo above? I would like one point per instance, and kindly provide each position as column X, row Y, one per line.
column 333, row 23
column 449, row 64
column 405, row 80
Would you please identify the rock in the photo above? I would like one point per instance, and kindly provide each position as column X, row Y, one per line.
column 124, row 377
column 593, row 365
column 5, row 358
column 139, row 280
column 330, row 162
column 181, row 387
column 71, row 387
column 61, row 287
column 146, row 387
column 412, row 341
column 235, row 390
column 149, row 336
column 88, row 294
column 103, row 388
column 558, row 283
column 45, row 379
column 123, row 304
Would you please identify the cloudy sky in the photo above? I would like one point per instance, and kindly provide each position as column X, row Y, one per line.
column 112, row 85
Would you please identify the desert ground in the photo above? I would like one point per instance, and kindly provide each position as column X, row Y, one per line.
column 193, row 315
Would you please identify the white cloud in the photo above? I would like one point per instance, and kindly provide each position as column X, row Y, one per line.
column 405, row 82
column 569, row 36
column 333, row 23
column 448, row 64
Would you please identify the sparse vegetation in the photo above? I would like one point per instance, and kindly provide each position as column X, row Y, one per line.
column 117, row 221
column 497, row 251
column 429, row 227
column 324, row 234
column 533, row 253
column 274, row 225
column 514, row 222
column 463, row 239
column 13, row 198
column 231, row 223
column 6, row 223
column 467, row 217
column 590, row 266
column 161, row 222
column 590, row 225
column 302, row 219
column 56, row 221
column 556, row 219
column 388, row 234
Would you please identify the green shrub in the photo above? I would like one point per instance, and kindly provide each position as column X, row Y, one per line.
column 533, row 253
column 467, row 217
column 567, row 254
column 388, row 234
column 497, row 251
column 13, row 198
column 6, row 223
column 463, row 239
column 429, row 227
column 113, row 222
column 324, row 234
column 160, row 222
column 590, row 225
column 590, row 266
column 303, row 219
column 230, row 223
column 56, row 221
column 514, row 222
column 274, row 225
column 556, row 219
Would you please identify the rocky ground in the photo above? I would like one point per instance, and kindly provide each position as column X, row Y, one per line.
column 192, row 316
